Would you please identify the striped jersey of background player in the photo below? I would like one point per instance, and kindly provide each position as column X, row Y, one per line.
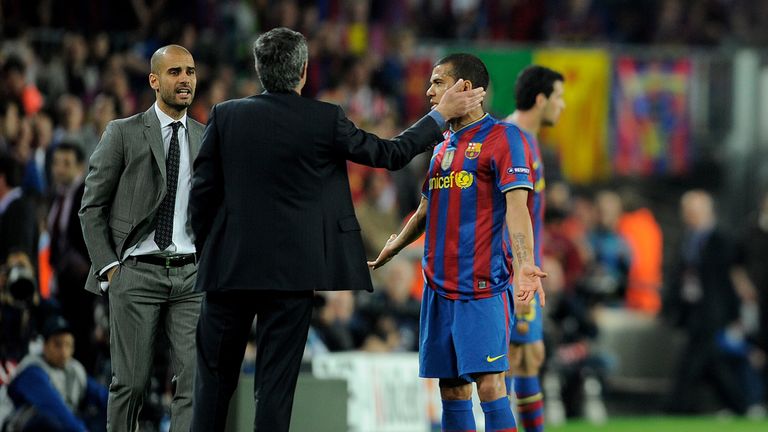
column 539, row 96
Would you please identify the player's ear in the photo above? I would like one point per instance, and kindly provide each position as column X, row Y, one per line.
column 468, row 85
column 541, row 99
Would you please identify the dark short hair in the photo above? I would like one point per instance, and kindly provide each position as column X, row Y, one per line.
column 531, row 82
column 13, row 63
column 71, row 147
column 55, row 325
column 467, row 67
column 11, row 170
column 280, row 56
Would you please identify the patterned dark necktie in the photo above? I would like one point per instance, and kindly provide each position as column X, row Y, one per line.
column 164, row 226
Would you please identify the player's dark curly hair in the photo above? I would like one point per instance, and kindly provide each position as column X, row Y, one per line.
column 531, row 82
column 467, row 67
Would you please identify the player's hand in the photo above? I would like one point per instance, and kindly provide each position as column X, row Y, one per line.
column 527, row 282
column 386, row 254
column 456, row 102
column 523, row 310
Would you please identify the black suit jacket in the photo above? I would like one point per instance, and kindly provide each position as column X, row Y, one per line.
column 76, row 253
column 719, row 304
column 270, row 203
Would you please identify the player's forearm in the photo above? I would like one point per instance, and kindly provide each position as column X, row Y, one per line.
column 413, row 229
column 520, row 235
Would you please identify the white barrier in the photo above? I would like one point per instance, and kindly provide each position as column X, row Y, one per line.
column 385, row 391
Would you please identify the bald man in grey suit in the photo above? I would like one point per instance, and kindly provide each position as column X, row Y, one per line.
column 134, row 219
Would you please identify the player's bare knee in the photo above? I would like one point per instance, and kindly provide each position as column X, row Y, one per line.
column 516, row 359
column 490, row 386
column 455, row 389
column 535, row 354
column 526, row 359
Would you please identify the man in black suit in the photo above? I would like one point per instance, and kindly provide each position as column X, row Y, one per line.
column 273, row 219
column 702, row 301
column 69, row 255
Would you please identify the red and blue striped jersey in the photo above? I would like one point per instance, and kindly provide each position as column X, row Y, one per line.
column 535, row 199
column 468, row 175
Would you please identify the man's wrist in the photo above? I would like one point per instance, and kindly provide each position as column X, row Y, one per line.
column 439, row 118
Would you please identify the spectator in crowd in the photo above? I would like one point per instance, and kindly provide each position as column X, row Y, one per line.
column 10, row 122
column 377, row 210
column 607, row 272
column 18, row 226
column 51, row 391
column 43, row 127
column 68, row 254
column 560, row 247
column 23, row 150
column 71, row 121
column 391, row 314
column 104, row 109
column 16, row 86
column 643, row 236
column 335, row 322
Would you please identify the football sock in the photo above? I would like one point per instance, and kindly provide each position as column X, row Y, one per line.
column 530, row 403
column 457, row 416
column 498, row 416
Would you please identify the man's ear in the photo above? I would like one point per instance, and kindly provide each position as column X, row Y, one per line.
column 468, row 85
column 154, row 82
column 541, row 100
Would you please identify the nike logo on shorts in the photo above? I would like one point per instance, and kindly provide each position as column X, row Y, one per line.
column 490, row 359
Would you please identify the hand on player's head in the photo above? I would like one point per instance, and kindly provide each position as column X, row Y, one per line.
column 457, row 102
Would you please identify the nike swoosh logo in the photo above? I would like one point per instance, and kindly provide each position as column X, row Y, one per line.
column 490, row 359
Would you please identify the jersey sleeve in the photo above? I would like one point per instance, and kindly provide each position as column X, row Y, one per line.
column 513, row 161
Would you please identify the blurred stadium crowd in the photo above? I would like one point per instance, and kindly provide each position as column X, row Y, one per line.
column 68, row 68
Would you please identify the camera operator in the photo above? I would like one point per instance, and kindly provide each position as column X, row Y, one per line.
column 18, row 307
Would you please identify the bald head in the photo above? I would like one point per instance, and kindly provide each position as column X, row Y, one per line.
column 173, row 79
column 155, row 63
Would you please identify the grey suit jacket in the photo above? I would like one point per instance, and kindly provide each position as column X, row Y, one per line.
column 125, row 186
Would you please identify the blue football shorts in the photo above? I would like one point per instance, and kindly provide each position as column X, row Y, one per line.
column 527, row 328
column 458, row 338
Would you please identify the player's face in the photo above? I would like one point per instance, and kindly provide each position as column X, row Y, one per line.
column 175, row 80
column 554, row 106
column 440, row 81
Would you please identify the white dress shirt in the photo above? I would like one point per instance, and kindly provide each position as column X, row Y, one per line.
column 181, row 242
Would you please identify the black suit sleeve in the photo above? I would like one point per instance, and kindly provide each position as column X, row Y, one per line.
column 366, row 148
column 207, row 193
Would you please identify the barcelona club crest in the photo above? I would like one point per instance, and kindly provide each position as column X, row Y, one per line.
column 447, row 159
column 473, row 150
